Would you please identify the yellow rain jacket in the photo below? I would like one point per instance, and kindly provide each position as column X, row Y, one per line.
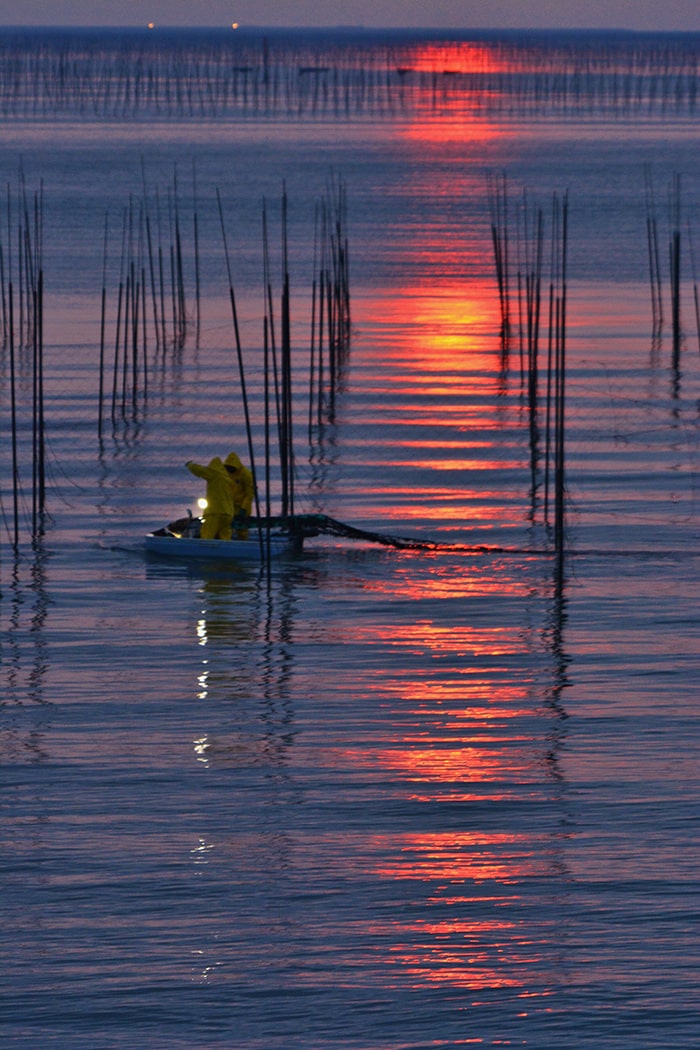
column 242, row 487
column 216, row 520
column 230, row 493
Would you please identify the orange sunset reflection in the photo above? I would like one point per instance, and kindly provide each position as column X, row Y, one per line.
column 438, row 409
column 451, row 79
column 465, row 642
column 459, row 768
column 460, row 857
column 442, row 328
column 456, row 57
column 455, row 662
column 459, row 670
column 437, row 343
column 470, row 938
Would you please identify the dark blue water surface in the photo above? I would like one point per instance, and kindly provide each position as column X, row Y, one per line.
column 376, row 798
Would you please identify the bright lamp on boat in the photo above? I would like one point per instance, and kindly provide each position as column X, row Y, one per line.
column 202, row 504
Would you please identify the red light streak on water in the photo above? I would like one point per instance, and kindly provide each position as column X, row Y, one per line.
column 465, row 947
column 452, row 56
column 452, row 83
column 453, row 733
column 434, row 407
column 437, row 334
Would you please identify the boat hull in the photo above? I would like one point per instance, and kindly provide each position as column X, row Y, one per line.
column 191, row 548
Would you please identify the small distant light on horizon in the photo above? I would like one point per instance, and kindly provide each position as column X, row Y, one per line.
column 235, row 25
column 151, row 25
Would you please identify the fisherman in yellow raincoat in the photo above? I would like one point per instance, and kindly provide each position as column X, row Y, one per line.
column 242, row 490
column 229, row 495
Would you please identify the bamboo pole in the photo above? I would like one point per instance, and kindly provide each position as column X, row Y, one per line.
column 103, row 311
column 241, row 370
column 675, row 267
column 13, row 416
column 560, row 479
column 286, row 373
column 197, row 280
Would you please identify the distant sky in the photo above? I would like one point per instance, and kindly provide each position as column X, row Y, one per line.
column 476, row 14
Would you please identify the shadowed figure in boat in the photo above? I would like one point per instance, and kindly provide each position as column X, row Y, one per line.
column 229, row 496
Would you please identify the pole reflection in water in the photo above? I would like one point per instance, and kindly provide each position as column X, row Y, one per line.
column 24, row 607
column 244, row 632
column 245, row 735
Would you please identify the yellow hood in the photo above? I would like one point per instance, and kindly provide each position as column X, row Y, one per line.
column 232, row 460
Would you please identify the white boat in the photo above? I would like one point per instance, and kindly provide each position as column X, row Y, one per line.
column 181, row 539
column 267, row 539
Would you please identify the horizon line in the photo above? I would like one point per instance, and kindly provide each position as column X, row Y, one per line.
column 348, row 27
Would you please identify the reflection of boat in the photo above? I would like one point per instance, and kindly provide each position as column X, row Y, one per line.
column 181, row 539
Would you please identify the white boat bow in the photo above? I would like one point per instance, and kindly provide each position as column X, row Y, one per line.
column 181, row 539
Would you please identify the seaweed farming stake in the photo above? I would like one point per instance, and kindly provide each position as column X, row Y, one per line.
column 239, row 355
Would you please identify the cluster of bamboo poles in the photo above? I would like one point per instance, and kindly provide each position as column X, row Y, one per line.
column 527, row 293
column 152, row 303
column 330, row 315
column 153, row 308
column 120, row 76
column 679, row 233
column 22, row 295
column 329, row 340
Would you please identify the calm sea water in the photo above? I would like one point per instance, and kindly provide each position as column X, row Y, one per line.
column 382, row 798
